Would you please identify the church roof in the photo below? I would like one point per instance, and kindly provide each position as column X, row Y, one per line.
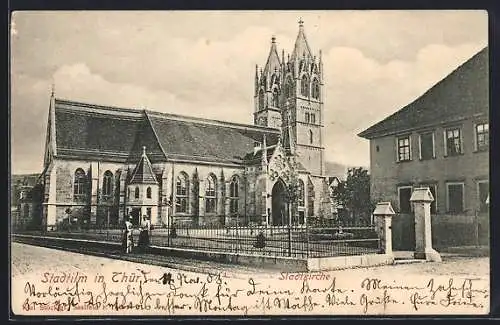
column 273, row 62
column 463, row 93
column 143, row 172
column 202, row 140
column 118, row 134
column 301, row 47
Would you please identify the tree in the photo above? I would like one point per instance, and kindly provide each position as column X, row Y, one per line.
column 353, row 195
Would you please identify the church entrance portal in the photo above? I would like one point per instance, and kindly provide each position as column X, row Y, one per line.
column 279, row 211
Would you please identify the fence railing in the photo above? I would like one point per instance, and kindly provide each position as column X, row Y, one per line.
column 299, row 241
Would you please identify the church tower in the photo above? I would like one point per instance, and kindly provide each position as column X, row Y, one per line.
column 292, row 91
column 267, row 90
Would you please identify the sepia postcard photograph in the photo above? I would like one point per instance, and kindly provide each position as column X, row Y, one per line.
column 249, row 163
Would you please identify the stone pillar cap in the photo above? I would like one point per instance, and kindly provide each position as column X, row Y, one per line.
column 421, row 194
column 384, row 208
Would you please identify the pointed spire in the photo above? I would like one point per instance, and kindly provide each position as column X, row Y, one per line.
column 53, row 89
column 143, row 172
column 301, row 47
column 256, row 80
column 273, row 60
column 320, row 66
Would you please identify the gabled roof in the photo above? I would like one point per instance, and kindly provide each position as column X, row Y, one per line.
column 196, row 139
column 301, row 48
column 143, row 172
column 463, row 93
column 118, row 134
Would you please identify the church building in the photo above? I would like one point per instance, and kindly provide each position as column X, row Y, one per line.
column 104, row 163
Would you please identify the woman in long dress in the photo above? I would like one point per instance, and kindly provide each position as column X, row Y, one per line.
column 128, row 236
column 144, row 235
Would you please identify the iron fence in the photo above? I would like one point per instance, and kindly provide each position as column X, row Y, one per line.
column 327, row 239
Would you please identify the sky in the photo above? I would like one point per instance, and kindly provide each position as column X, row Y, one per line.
column 203, row 64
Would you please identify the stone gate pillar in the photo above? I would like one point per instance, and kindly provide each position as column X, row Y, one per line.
column 383, row 213
column 421, row 198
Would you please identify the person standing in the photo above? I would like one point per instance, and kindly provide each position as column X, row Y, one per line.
column 128, row 238
column 144, row 234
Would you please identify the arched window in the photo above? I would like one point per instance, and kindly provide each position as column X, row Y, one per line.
column 26, row 211
column 310, row 198
column 181, row 193
column 148, row 192
column 107, row 183
column 315, row 89
column 136, row 192
column 233, row 195
column 310, row 136
column 289, row 87
column 276, row 96
column 210, row 195
column 304, row 86
column 261, row 99
column 301, row 193
column 79, row 183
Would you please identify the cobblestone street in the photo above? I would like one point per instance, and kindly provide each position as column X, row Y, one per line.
column 29, row 259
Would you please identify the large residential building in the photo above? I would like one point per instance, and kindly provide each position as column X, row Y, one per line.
column 103, row 163
column 440, row 140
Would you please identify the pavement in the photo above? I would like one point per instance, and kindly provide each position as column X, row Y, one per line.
column 203, row 266
column 173, row 262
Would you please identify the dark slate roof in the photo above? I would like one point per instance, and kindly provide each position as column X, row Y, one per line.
column 118, row 134
column 463, row 93
column 95, row 132
column 143, row 172
column 197, row 139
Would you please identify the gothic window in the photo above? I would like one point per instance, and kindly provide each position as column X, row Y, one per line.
column 210, row 195
column 301, row 193
column 26, row 211
column 261, row 99
column 233, row 195
column 79, row 183
column 302, row 65
column 181, row 193
column 310, row 198
column 107, row 183
column 307, row 117
column 315, row 89
column 289, row 87
column 275, row 97
column 310, row 136
column 148, row 192
column 136, row 192
column 304, row 86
